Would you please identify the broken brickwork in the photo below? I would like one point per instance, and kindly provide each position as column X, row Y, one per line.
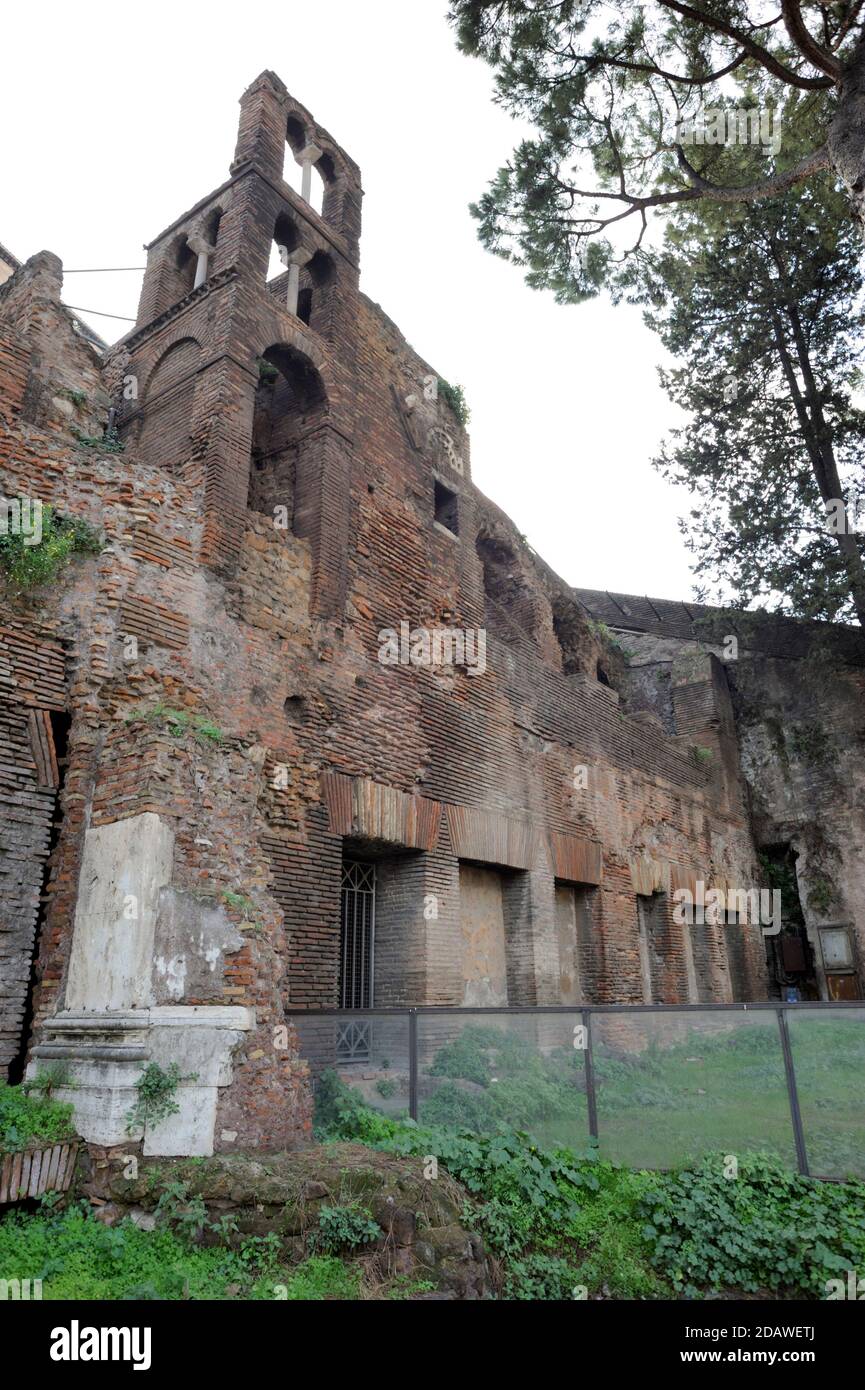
column 292, row 486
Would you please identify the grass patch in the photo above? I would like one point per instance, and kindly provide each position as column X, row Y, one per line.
column 77, row 1257
column 27, row 567
column 322, row 1277
column 179, row 723
column 30, row 1118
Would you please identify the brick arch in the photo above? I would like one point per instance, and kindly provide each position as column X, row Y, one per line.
column 172, row 271
column 291, row 405
column 339, row 174
column 165, row 432
column 178, row 358
column 280, row 334
column 301, row 130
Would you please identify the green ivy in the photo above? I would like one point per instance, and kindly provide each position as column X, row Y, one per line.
column 182, row 1213
column 811, row 743
column 107, row 443
column 540, row 1278
column 779, row 873
column 266, row 370
column 344, row 1228
column 767, row 1228
column 341, row 1114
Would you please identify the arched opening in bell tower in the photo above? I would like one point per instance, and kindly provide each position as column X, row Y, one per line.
column 290, row 407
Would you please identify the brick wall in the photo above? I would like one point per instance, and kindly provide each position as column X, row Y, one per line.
column 270, row 636
column 32, row 683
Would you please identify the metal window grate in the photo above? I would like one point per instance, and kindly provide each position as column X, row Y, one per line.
column 357, row 928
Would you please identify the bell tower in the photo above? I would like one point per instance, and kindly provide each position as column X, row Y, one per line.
column 218, row 347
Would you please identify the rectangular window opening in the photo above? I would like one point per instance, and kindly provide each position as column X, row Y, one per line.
column 356, row 956
column 446, row 508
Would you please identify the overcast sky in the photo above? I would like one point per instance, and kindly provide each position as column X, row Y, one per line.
column 117, row 118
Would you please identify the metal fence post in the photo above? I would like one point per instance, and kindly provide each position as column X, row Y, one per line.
column 412, row 1063
column 793, row 1095
column 591, row 1098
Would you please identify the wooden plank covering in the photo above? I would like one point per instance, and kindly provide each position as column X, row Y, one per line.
column 15, row 1179
column 35, row 1169
column 374, row 811
column 30, row 1172
column 575, row 859
column 491, row 838
column 42, row 747
column 5, row 1175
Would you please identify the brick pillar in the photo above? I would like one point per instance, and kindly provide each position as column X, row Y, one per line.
column 419, row 947
column 322, row 516
column 261, row 131
column 590, row 943
column 222, row 433
column 621, row 982
column 672, row 987
column 341, row 208
column 531, row 938
column 722, row 984
column 400, row 971
column 305, row 881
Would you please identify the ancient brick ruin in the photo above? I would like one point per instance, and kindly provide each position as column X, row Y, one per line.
column 313, row 665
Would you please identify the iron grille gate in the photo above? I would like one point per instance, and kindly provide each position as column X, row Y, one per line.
column 357, row 930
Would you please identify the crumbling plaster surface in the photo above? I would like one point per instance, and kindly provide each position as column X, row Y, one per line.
column 124, row 866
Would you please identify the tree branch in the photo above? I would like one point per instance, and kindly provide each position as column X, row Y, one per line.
column 813, row 163
column 602, row 60
column 817, row 56
column 745, row 42
column 847, row 25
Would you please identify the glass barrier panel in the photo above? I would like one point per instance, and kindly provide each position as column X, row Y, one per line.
column 525, row 1071
column 359, row 1053
column 829, row 1060
column 672, row 1087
